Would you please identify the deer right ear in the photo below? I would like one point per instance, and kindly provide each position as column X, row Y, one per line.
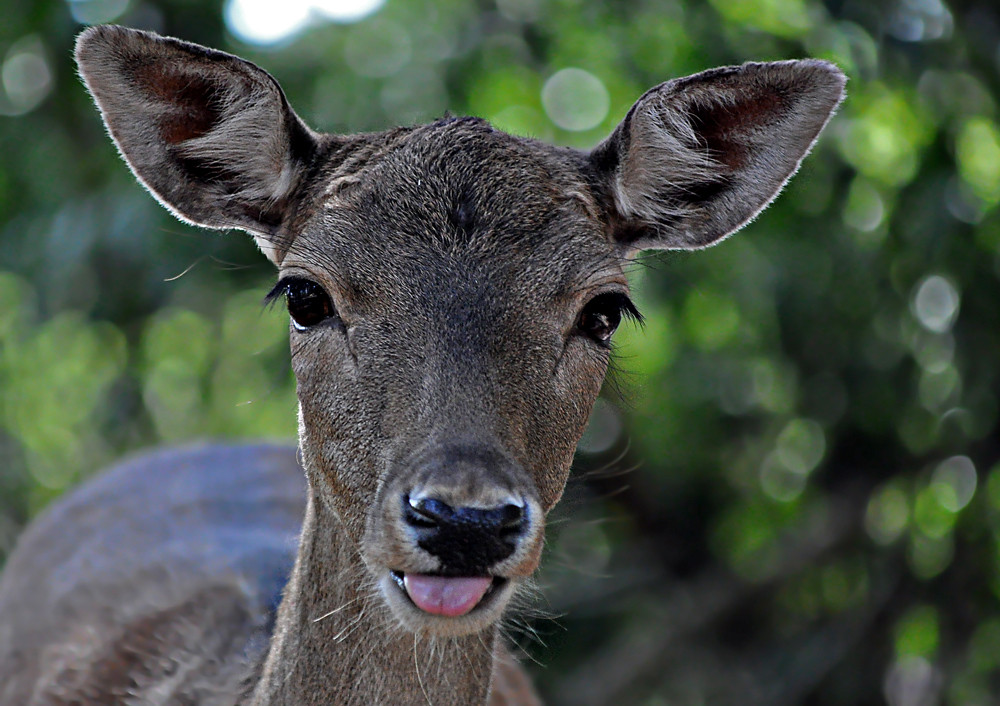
column 697, row 158
column 210, row 135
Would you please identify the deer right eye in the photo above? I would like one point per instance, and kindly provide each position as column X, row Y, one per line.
column 308, row 303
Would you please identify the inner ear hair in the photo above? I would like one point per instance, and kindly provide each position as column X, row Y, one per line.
column 697, row 158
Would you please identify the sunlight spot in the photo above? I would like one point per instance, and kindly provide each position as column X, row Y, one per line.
column 26, row 77
column 977, row 148
column 93, row 12
column 920, row 21
column 801, row 446
column 955, row 479
column 346, row 10
column 265, row 22
column 864, row 209
column 888, row 514
column 912, row 681
column 780, row 482
column 575, row 99
column 935, row 303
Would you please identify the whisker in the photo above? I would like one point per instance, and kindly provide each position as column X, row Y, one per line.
column 337, row 610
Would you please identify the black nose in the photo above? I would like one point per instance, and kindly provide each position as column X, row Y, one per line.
column 467, row 540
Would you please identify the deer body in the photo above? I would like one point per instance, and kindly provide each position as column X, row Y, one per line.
column 452, row 291
column 168, row 567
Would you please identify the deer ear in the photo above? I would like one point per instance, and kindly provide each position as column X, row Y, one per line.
column 697, row 158
column 210, row 135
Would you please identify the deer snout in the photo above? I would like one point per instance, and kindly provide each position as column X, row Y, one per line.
column 468, row 541
column 458, row 527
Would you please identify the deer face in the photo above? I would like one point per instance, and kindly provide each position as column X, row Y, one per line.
column 452, row 289
column 450, row 331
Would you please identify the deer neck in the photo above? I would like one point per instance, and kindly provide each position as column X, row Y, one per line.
column 335, row 641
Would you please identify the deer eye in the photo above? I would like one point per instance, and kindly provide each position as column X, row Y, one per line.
column 602, row 314
column 308, row 303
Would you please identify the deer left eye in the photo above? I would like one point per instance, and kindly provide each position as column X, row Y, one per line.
column 601, row 316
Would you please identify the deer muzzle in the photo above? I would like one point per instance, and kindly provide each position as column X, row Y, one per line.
column 457, row 532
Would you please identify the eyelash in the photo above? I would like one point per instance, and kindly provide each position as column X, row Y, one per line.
column 601, row 316
column 308, row 303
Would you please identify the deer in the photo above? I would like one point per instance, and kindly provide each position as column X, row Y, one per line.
column 452, row 293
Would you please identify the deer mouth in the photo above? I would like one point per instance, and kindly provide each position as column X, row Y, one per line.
column 448, row 596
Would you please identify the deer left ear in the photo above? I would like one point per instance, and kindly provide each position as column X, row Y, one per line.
column 697, row 158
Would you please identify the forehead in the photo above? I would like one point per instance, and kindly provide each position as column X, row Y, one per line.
column 459, row 201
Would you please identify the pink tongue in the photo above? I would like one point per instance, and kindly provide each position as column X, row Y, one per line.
column 442, row 595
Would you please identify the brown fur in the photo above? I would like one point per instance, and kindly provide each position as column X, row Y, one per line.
column 459, row 260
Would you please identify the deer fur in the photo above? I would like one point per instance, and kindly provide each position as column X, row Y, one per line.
column 472, row 280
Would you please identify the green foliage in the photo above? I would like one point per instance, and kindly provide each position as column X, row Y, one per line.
column 811, row 417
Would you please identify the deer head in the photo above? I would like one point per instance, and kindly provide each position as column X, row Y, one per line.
column 453, row 290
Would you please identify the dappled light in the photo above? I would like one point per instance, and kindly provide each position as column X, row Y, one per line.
column 266, row 22
column 26, row 77
column 97, row 11
column 575, row 99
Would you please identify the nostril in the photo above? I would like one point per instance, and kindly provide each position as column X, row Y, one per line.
column 426, row 512
column 513, row 519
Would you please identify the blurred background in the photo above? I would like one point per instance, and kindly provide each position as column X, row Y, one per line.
column 790, row 491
